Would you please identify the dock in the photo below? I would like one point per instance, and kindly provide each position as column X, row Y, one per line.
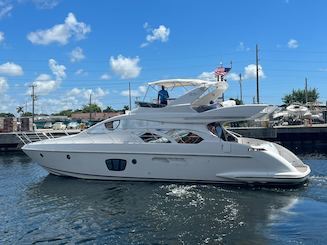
column 299, row 139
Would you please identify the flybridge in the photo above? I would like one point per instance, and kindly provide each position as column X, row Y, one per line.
column 202, row 92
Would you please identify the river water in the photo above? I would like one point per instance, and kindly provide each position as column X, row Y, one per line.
column 38, row 208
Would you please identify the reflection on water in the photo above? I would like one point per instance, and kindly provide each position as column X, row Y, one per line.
column 44, row 208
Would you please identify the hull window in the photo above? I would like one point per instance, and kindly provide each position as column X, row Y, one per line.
column 116, row 164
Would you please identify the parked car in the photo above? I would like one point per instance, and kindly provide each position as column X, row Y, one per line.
column 73, row 125
column 59, row 126
column 48, row 125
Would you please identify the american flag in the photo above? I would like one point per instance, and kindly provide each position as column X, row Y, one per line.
column 221, row 71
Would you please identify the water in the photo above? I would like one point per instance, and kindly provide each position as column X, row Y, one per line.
column 37, row 208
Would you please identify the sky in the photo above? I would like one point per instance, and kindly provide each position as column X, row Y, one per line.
column 71, row 49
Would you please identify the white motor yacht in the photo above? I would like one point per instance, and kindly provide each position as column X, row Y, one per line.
column 184, row 141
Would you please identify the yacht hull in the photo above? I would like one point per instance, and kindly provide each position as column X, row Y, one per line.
column 258, row 169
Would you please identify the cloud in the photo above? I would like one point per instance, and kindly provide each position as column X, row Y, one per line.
column 134, row 93
column 81, row 72
column 76, row 55
column 250, row 72
column 233, row 76
column 73, row 99
column 7, row 103
column 85, row 93
column 61, row 33
column 99, row 92
column 45, row 4
column 292, row 43
column 157, row 34
column 74, row 92
column 125, row 67
column 44, row 85
column 2, row 36
column 207, row 76
column 210, row 76
column 3, row 85
column 241, row 47
column 50, row 105
column 57, row 70
column 5, row 8
column 105, row 76
column 11, row 69
column 160, row 34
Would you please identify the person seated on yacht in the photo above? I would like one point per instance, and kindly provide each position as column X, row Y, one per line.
column 216, row 129
column 163, row 96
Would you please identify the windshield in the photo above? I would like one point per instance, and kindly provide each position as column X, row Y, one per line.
column 217, row 129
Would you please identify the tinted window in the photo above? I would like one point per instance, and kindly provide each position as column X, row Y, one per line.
column 116, row 164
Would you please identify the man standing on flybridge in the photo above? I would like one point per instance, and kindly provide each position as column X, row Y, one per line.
column 163, row 96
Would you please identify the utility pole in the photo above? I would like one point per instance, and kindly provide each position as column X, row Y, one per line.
column 33, row 101
column 241, row 92
column 257, row 65
column 306, row 90
column 129, row 96
column 90, row 106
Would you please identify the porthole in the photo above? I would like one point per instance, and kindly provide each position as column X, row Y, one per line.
column 116, row 164
column 68, row 157
column 41, row 155
column 134, row 161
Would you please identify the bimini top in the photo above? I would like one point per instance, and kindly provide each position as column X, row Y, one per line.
column 170, row 83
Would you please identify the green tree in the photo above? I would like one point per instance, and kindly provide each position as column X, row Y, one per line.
column 299, row 96
column 20, row 110
column 67, row 113
column 125, row 108
column 4, row 114
column 91, row 108
column 109, row 109
column 27, row 114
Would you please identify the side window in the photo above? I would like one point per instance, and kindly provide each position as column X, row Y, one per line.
column 185, row 137
column 112, row 125
column 153, row 138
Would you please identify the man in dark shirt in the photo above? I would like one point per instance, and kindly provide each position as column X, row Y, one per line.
column 163, row 96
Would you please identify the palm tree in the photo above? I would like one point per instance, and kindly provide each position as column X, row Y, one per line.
column 20, row 109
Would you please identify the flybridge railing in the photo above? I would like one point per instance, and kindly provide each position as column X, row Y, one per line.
column 35, row 136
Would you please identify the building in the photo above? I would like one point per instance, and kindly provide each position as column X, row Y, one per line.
column 95, row 116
